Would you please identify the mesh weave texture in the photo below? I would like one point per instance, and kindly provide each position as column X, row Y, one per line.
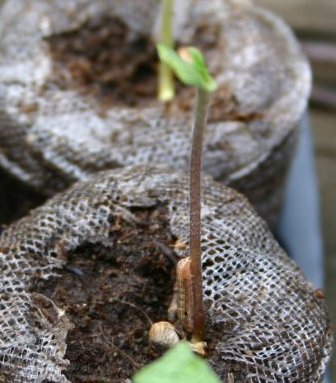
column 276, row 329
column 51, row 137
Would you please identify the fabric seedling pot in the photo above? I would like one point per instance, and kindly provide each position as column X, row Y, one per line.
column 83, row 276
column 78, row 93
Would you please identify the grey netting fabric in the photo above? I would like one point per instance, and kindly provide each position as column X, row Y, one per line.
column 51, row 136
column 271, row 324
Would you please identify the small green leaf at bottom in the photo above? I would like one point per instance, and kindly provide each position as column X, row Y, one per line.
column 178, row 365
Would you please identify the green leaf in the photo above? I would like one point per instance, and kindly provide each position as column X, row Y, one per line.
column 178, row 365
column 193, row 73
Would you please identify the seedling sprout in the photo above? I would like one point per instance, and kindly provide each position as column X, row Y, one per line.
column 190, row 67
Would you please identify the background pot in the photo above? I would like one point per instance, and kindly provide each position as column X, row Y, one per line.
column 52, row 133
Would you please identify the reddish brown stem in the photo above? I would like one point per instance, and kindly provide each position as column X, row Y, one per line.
column 195, row 254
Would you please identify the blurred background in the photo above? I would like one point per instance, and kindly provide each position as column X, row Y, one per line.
column 315, row 24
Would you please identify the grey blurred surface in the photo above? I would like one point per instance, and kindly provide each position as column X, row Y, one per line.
column 300, row 227
column 305, row 15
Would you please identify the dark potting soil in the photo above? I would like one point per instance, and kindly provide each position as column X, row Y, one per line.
column 99, row 60
column 111, row 294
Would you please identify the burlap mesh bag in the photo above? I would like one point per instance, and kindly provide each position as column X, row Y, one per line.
column 271, row 324
column 51, row 135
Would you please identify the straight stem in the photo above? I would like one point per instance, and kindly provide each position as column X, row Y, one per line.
column 202, row 104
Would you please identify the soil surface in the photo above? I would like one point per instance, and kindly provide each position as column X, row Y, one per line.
column 99, row 60
column 112, row 294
